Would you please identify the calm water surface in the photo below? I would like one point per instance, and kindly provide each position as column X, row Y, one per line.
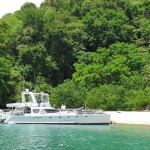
column 74, row 137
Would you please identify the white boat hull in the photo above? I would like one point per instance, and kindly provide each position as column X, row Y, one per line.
column 59, row 119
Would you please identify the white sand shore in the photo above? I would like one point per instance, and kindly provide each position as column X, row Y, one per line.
column 130, row 117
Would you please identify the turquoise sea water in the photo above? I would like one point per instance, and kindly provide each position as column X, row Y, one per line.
column 74, row 137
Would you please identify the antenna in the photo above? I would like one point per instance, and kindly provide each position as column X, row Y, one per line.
column 23, row 81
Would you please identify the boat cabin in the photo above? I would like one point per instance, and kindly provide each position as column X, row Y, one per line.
column 32, row 103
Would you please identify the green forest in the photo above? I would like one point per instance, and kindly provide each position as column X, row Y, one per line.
column 82, row 52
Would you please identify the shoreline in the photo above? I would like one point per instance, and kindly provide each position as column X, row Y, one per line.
column 129, row 117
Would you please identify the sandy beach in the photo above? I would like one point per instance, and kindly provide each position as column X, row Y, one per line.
column 130, row 117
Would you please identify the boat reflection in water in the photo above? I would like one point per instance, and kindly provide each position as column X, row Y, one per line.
column 35, row 108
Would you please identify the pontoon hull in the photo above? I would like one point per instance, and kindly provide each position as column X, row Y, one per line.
column 55, row 119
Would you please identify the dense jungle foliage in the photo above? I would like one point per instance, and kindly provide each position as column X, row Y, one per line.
column 92, row 52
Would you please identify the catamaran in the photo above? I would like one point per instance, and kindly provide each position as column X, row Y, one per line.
column 35, row 108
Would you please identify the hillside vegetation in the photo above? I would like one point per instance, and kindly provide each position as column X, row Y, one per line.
column 92, row 52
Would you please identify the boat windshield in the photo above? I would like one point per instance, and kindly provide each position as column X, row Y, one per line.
column 28, row 98
column 41, row 97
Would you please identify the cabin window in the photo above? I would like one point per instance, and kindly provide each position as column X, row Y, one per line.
column 36, row 110
column 51, row 110
column 27, row 110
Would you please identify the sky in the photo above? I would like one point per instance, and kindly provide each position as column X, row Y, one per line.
column 10, row 6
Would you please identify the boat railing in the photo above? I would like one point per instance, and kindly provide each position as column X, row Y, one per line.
column 17, row 111
column 2, row 115
column 13, row 112
column 88, row 111
column 94, row 111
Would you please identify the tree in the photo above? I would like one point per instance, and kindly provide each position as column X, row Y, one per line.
column 106, row 97
column 104, row 27
column 145, row 32
column 11, row 28
column 36, row 61
column 137, row 99
column 8, row 78
column 69, row 94
column 64, row 36
column 110, row 66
